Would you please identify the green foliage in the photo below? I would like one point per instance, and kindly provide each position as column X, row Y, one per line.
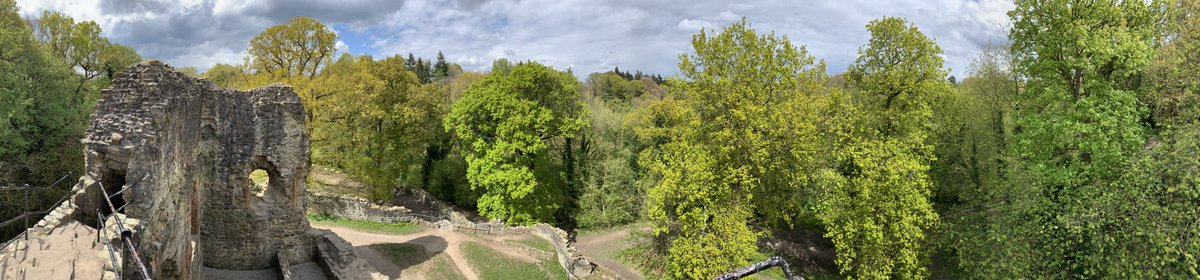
column 501, row 66
column 505, row 123
column 1172, row 94
column 972, row 168
column 611, row 192
column 974, row 129
column 611, row 86
column 1079, row 124
column 41, row 114
column 225, row 75
column 297, row 47
column 1155, row 211
column 43, row 108
column 737, row 144
column 80, row 45
column 877, row 204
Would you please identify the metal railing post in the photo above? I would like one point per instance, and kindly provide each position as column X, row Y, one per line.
column 26, row 212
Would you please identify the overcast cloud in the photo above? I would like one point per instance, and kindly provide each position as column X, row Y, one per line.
column 586, row 36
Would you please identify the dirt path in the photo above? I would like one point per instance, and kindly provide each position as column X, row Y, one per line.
column 434, row 241
column 602, row 249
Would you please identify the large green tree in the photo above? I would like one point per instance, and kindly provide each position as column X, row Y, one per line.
column 1078, row 125
column 297, row 47
column 507, row 123
column 41, row 116
column 733, row 148
column 1156, row 207
column 81, row 46
column 878, row 207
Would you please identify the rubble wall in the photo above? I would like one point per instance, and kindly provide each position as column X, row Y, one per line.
column 185, row 149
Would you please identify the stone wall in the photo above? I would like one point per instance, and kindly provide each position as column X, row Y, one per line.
column 439, row 214
column 569, row 258
column 184, row 149
column 356, row 208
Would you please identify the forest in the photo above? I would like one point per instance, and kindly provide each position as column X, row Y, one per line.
column 1070, row 150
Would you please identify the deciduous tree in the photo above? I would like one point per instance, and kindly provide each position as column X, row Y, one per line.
column 505, row 123
column 300, row 46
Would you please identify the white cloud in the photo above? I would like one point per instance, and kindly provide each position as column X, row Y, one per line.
column 694, row 25
column 341, row 47
column 587, row 36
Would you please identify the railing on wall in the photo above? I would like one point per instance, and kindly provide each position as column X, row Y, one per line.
column 126, row 234
column 25, row 213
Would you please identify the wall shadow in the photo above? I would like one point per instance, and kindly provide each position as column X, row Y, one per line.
column 393, row 258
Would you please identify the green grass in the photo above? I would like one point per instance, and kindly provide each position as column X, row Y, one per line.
column 494, row 265
column 411, row 256
column 397, row 228
column 259, row 177
column 403, row 255
column 441, row 267
column 535, row 242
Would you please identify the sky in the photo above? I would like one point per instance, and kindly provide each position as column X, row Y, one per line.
column 583, row 35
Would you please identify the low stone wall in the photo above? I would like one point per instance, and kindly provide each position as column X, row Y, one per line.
column 337, row 257
column 569, row 258
column 355, row 208
column 573, row 262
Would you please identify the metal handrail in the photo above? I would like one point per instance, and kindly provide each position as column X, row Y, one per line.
column 125, row 233
column 759, row 266
column 28, row 187
column 107, row 242
column 25, row 214
column 22, row 216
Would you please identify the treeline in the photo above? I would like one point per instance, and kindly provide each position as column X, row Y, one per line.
column 523, row 143
column 1067, row 153
column 51, row 71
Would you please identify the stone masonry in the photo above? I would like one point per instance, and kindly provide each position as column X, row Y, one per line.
column 184, row 148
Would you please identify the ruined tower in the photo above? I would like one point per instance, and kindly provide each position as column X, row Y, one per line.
column 185, row 149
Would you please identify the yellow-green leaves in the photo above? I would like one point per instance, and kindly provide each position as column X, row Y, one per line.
column 299, row 46
column 506, row 122
column 899, row 72
column 732, row 147
column 876, row 204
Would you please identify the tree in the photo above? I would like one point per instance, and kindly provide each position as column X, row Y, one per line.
column 226, row 75
column 1154, row 204
column 116, row 58
column 1078, row 125
column 745, row 134
column 612, row 87
column 878, row 207
column 82, row 47
column 501, row 66
column 611, row 192
column 441, row 69
column 505, row 123
column 40, row 115
column 971, row 171
column 300, row 46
